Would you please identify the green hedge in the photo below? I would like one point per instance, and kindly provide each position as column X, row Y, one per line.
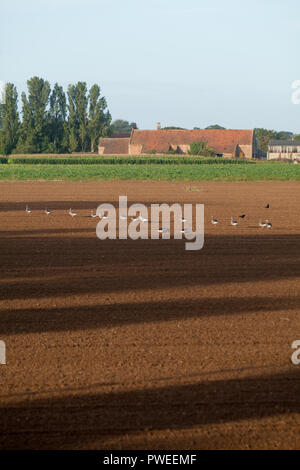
column 125, row 161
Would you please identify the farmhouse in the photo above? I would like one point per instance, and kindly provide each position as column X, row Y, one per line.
column 284, row 150
column 225, row 142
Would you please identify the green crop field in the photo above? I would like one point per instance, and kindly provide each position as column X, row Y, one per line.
column 151, row 171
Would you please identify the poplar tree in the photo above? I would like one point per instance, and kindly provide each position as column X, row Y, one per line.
column 57, row 121
column 10, row 122
column 34, row 133
column 72, row 121
column 99, row 120
column 81, row 102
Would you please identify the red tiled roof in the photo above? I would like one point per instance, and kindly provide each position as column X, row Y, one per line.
column 221, row 140
column 120, row 135
column 114, row 146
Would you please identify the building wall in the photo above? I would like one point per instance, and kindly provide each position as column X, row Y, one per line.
column 284, row 149
column 246, row 150
column 135, row 149
column 283, row 156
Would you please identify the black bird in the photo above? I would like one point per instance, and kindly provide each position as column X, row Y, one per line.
column 242, row 216
column 267, row 206
column 269, row 225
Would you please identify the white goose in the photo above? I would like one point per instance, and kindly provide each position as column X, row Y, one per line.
column 233, row 222
column 47, row 212
column 214, row 221
column 163, row 230
column 72, row 213
column 93, row 214
column 27, row 209
column 262, row 224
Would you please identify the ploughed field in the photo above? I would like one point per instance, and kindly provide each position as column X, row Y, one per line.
column 123, row 344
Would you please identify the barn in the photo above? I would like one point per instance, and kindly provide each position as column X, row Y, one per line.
column 228, row 143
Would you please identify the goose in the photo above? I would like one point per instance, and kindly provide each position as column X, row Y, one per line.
column 267, row 206
column 262, row 224
column 183, row 220
column 72, row 213
column 163, row 230
column 233, row 222
column 93, row 214
column 214, row 221
column 47, row 212
column 185, row 230
column 242, row 216
column 27, row 209
column 268, row 224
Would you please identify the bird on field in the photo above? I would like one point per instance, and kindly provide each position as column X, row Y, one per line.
column 268, row 224
column 233, row 222
column 72, row 213
column 267, row 206
column 47, row 212
column 214, row 221
column 242, row 216
column 185, row 230
column 183, row 220
column 27, row 209
column 93, row 214
column 163, row 230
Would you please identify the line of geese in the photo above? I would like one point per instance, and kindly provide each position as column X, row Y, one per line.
column 234, row 222
column 214, row 221
column 122, row 217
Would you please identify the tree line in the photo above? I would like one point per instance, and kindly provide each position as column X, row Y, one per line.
column 53, row 121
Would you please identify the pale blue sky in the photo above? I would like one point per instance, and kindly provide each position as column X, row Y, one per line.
column 187, row 63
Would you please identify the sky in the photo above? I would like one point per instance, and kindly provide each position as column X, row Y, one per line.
column 185, row 63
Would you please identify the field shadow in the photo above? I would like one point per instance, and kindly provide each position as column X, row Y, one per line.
column 77, row 420
column 41, row 320
column 43, row 266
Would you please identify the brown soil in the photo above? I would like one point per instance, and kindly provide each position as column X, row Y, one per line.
column 141, row 344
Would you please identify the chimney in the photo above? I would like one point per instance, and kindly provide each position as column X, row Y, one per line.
column 158, row 126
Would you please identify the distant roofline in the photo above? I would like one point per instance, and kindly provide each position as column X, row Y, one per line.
column 274, row 143
column 191, row 130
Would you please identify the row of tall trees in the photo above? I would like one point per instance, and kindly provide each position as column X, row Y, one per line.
column 53, row 121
